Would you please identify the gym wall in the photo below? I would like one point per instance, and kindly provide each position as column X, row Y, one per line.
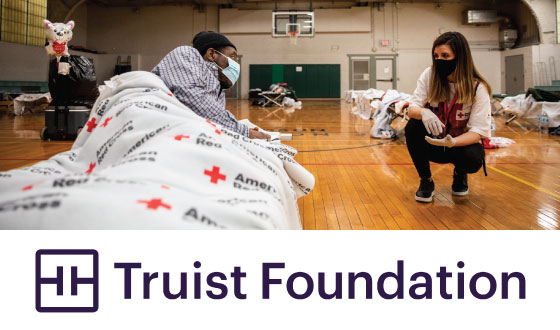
column 150, row 32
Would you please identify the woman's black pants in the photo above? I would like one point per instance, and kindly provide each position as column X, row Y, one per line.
column 466, row 159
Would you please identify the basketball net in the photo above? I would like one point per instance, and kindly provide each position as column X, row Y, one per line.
column 293, row 37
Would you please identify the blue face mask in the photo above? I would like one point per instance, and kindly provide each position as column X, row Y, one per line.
column 232, row 71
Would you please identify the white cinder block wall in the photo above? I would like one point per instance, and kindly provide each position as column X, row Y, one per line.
column 150, row 32
column 411, row 28
column 23, row 63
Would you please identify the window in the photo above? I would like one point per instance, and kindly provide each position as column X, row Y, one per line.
column 21, row 21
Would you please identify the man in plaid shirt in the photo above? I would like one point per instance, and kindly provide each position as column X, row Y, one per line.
column 194, row 75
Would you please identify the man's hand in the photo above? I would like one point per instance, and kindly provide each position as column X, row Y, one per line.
column 432, row 123
column 447, row 141
column 254, row 133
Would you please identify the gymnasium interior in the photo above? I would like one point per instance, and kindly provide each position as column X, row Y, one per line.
column 339, row 58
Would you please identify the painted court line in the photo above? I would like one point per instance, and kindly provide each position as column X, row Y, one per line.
column 407, row 164
column 349, row 164
column 544, row 190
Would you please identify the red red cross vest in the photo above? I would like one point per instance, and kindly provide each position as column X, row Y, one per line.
column 452, row 115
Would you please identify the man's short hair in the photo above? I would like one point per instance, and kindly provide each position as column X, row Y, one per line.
column 210, row 39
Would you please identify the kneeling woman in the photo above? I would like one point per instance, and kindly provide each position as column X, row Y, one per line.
column 449, row 114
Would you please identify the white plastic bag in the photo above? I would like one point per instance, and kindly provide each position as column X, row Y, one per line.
column 289, row 102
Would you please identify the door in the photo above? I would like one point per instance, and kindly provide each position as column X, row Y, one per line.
column 360, row 73
column 384, row 75
column 515, row 77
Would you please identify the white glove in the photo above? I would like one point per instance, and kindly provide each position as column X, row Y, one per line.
column 432, row 123
column 447, row 141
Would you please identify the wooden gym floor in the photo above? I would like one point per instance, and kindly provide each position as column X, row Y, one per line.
column 366, row 183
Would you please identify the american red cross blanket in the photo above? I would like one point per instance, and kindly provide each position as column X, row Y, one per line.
column 146, row 161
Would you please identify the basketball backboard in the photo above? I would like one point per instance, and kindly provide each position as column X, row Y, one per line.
column 285, row 24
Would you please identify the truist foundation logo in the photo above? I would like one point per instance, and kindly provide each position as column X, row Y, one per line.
column 66, row 281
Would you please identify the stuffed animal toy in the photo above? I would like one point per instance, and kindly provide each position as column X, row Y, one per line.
column 58, row 36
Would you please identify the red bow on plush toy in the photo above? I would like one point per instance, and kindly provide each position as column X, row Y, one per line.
column 59, row 48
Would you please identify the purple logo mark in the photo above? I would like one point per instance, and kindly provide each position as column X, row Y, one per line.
column 66, row 281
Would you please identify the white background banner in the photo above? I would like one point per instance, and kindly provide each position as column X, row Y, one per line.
column 534, row 254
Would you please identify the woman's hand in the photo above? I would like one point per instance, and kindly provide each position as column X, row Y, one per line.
column 432, row 123
column 447, row 141
column 465, row 139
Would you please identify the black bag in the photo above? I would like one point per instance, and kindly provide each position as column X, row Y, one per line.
column 79, row 87
column 542, row 95
column 73, row 97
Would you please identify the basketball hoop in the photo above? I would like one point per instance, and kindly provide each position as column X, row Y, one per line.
column 293, row 36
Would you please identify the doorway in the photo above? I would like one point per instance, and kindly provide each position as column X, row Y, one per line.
column 360, row 73
column 515, row 77
column 373, row 71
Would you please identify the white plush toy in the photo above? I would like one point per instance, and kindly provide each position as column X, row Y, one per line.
column 58, row 36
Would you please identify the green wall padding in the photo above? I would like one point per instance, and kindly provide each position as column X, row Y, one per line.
column 311, row 81
column 277, row 73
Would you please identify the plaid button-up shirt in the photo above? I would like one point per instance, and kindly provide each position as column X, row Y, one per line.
column 195, row 83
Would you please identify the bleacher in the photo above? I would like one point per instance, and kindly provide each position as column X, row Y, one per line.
column 554, row 87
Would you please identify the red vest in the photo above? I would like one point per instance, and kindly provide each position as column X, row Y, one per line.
column 452, row 115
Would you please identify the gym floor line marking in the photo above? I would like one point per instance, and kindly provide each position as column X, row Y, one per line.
column 406, row 164
column 337, row 164
column 544, row 190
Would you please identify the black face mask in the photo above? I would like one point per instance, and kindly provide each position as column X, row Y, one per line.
column 445, row 67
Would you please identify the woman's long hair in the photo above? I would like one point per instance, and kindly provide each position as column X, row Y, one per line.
column 465, row 72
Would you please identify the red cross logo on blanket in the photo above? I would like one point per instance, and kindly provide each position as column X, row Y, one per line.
column 106, row 122
column 155, row 203
column 214, row 125
column 91, row 167
column 91, row 125
column 181, row 136
column 215, row 174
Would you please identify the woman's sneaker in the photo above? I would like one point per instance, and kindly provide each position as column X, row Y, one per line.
column 425, row 192
column 460, row 186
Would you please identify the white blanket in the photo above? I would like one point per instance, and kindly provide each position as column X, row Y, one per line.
column 382, row 117
column 362, row 99
column 27, row 101
column 146, row 161
column 527, row 108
